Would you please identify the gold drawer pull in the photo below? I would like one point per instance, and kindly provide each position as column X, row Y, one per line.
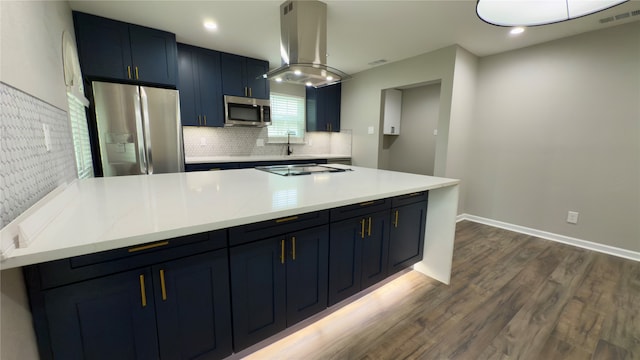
column 415, row 194
column 367, row 203
column 163, row 287
column 150, row 246
column 290, row 218
column 362, row 229
column 395, row 224
column 369, row 232
column 143, row 294
column 129, row 71
column 137, row 73
column 282, row 251
column 293, row 247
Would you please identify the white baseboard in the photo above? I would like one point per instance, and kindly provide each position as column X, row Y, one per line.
column 606, row 249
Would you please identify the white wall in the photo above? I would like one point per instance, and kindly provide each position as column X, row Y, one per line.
column 362, row 96
column 31, row 61
column 414, row 149
column 557, row 128
column 31, row 48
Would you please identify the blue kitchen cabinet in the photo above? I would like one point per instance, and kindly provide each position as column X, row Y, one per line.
column 114, row 50
column 277, row 282
column 408, row 220
column 193, row 306
column 358, row 254
column 200, row 86
column 106, row 318
column 323, row 108
column 242, row 76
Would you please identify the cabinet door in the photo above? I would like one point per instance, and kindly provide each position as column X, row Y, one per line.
column 375, row 249
column 307, row 266
column 193, row 306
column 103, row 46
column 153, row 54
column 107, row 318
column 232, row 72
column 332, row 110
column 188, row 86
column 311, row 109
column 345, row 255
column 210, row 88
column 406, row 244
column 259, row 86
column 257, row 291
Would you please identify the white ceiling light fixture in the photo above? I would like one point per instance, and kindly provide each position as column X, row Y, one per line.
column 210, row 25
column 538, row 12
column 516, row 30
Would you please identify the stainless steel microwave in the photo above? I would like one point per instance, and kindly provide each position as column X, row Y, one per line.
column 244, row 111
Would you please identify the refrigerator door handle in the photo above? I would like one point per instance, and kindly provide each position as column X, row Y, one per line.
column 140, row 135
column 147, row 129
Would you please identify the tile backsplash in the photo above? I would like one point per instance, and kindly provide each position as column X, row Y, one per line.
column 243, row 141
column 28, row 171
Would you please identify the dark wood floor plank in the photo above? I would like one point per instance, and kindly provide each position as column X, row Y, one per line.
column 536, row 320
column 607, row 351
column 579, row 325
column 556, row 349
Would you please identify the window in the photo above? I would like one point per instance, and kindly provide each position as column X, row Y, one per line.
column 287, row 117
column 78, row 118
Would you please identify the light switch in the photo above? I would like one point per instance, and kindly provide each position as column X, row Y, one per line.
column 370, row 130
column 47, row 137
column 435, row 132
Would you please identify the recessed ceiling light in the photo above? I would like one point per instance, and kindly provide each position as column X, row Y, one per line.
column 298, row 72
column 278, row 79
column 329, row 77
column 210, row 25
column 516, row 30
column 309, row 83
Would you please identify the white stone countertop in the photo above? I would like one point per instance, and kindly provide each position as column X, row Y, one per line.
column 251, row 158
column 115, row 212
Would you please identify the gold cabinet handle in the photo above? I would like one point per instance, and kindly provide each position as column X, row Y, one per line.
column 143, row 294
column 163, row 286
column 293, row 247
column 395, row 224
column 362, row 227
column 199, row 120
column 282, row 252
column 136, row 73
column 245, row 91
column 129, row 72
column 205, row 120
column 290, row 218
column 150, row 246
column 369, row 232
column 250, row 92
column 367, row 203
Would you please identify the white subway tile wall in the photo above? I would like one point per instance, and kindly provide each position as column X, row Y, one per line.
column 27, row 170
column 242, row 141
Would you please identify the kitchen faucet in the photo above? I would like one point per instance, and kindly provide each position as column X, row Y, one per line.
column 289, row 151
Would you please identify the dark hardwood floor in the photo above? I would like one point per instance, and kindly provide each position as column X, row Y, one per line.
column 511, row 296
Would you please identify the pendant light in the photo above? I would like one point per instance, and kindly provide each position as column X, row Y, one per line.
column 538, row 12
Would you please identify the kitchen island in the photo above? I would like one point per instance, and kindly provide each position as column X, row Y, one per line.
column 216, row 219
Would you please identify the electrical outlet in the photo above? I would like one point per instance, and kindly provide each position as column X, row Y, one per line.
column 572, row 217
column 47, row 137
column 435, row 132
column 370, row 130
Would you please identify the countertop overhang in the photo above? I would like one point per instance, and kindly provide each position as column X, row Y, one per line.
column 257, row 158
column 115, row 212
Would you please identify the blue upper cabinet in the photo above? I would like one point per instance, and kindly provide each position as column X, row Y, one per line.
column 323, row 108
column 200, row 86
column 241, row 76
column 114, row 50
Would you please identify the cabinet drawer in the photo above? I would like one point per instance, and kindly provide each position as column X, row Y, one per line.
column 367, row 207
column 65, row 271
column 262, row 230
column 409, row 198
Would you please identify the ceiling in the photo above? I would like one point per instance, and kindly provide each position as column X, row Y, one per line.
column 358, row 31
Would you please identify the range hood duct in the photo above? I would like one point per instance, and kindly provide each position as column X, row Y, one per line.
column 303, row 45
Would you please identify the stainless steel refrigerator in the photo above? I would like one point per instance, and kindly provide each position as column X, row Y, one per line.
column 138, row 129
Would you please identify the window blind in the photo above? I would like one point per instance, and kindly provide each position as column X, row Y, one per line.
column 287, row 117
column 80, row 131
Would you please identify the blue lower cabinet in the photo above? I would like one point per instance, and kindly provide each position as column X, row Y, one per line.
column 277, row 282
column 176, row 310
column 106, row 318
column 407, row 235
column 358, row 254
column 193, row 307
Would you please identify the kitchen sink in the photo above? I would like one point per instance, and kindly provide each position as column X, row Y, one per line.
column 299, row 169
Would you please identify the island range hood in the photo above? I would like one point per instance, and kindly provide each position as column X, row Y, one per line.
column 303, row 45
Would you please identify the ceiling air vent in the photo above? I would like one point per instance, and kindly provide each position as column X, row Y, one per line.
column 377, row 62
column 622, row 16
column 635, row 13
column 619, row 16
column 606, row 20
